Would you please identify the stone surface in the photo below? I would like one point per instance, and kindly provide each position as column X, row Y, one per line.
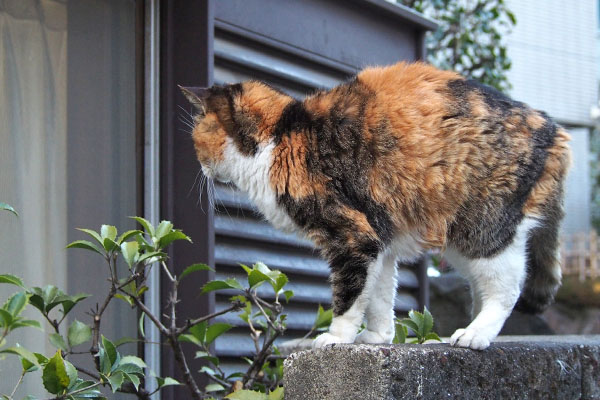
column 539, row 368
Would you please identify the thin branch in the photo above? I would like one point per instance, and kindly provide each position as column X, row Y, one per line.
column 219, row 381
column 191, row 322
column 17, row 385
column 180, row 358
column 149, row 314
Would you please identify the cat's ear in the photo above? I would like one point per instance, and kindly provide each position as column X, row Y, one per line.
column 196, row 96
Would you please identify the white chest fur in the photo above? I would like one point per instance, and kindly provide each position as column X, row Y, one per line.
column 251, row 175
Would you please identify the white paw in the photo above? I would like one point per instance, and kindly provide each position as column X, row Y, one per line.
column 470, row 338
column 327, row 338
column 371, row 337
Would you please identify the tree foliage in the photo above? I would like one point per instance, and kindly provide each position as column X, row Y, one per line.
column 469, row 39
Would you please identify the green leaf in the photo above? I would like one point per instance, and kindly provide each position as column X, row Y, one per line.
column 6, row 207
column 146, row 224
column 71, row 372
column 163, row 228
column 54, row 375
column 213, row 387
column 186, row 337
column 109, row 245
column 11, row 279
column 401, row 333
column 134, row 379
column 166, row 381
column 288, row 295
column 418, row 319
column 205, row 356
column 141, row 325
column 216, row 330
column 68, row 302
column 26, row 323
column 93, row 234
column 127, row 299
column 194, row 268
column 148, row 258
column 127, row 235
column 108, row 231
column 23, row 354
column 133, row 360
column 255, row 278
column 130, row 251
column 27, row 365
column 427, row 321
column 410, row 324
column 246, row 395
column 432, row 336
column 6, row 318
column 111, row 351
column 277, row 394
column 324, row 318
column 58, row 341
column 246, row 268
column 78, row 333
column 84, row 244
column 216, row 285
column 280, row 282
column 16, row 303
column 234, row 283
column 198, row 331
column 116, row 380
column 171, row 237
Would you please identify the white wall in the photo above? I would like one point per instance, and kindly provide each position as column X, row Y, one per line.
column 554, row 56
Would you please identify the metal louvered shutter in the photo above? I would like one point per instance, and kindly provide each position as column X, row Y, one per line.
column 242, row 236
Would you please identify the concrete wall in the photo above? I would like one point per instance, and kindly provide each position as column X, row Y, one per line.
column 554, row 68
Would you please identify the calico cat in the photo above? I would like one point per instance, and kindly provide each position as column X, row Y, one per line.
column 399, row 160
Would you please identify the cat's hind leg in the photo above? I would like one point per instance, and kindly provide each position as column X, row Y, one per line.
column 496, row 284
column 380, row 310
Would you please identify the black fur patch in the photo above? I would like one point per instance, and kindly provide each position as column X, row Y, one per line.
column 238, row 125
column 486, row 226
column 337, row 149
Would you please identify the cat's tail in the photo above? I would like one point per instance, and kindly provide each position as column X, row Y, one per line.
column 543, row 262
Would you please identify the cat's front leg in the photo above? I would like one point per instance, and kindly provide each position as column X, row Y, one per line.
column 380, row 311
column 354, row 273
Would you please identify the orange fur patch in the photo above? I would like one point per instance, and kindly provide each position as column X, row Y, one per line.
column 265, row 104
column 557, row 165
column 209, row 140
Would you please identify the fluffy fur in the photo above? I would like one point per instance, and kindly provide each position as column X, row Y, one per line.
column 399, row 160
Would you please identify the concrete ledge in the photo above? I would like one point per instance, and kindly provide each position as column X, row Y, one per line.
column 552, row 367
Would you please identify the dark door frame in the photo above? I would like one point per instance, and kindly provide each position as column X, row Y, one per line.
column 186, row 58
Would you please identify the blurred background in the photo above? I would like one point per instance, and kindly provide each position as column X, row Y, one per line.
column 91, row 133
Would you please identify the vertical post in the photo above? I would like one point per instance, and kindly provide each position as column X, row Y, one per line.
column 423, row 278
column 593, row 253
column 152, row 352
column 186, row 58
column 581, row 256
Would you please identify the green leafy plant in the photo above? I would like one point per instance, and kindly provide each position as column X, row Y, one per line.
column 421, row 324
column 140, row 250
column 6, row 207
column 469, row 38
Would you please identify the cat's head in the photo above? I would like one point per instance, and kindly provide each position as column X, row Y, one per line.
column 232, row 121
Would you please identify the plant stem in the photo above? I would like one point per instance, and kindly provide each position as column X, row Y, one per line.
column 17, row 385
column 180, row 358
column 192, row 322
